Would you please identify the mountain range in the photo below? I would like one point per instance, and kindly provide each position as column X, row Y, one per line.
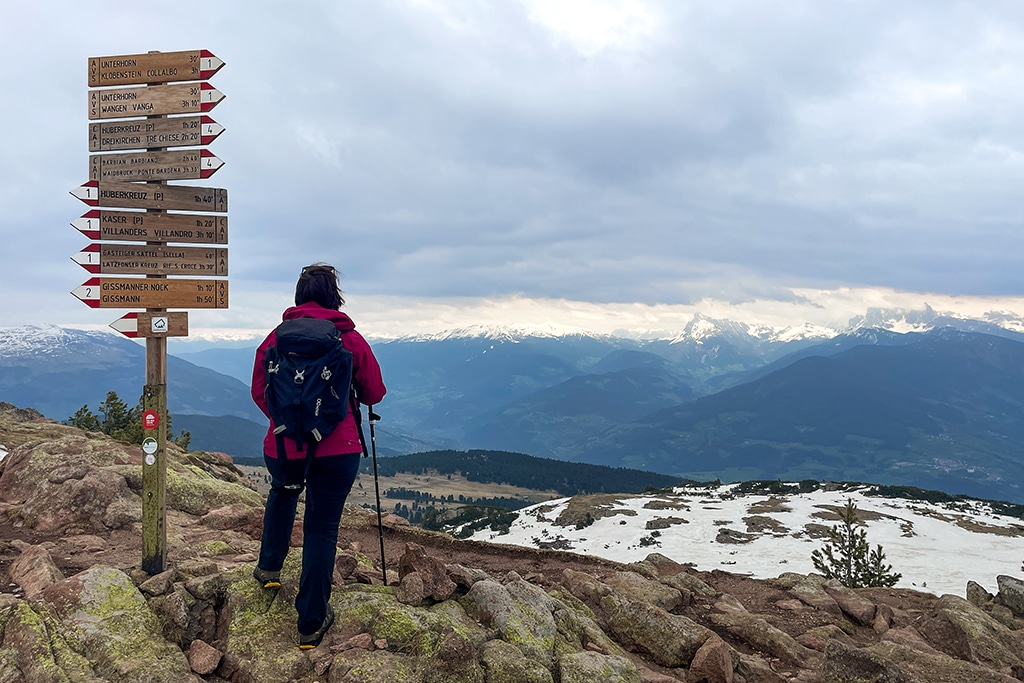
column 919, row 397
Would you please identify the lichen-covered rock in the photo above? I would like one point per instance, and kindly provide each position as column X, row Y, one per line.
column 103, row 616
column 36, row 652
column 635, row 587
column 888, row 662
column 504, row 663
column 522, row 614
column 1011, row 594
column 810, row 590
column 977, row 594
column 588, row 667
column 670, row 639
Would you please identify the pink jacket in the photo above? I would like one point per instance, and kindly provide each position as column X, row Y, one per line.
column 366, row 378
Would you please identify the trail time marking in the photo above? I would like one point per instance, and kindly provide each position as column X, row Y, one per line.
column 115, row 292
column 185, row 164
column 153, row 67
column 181, row 131
column 150, row 100
column 143, row 196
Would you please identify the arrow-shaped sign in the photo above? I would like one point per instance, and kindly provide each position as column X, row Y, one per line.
column 182, row 131
column 147, row 259
column 136, row 226
column 150, row 100
column 123, row 292
column 169, row 324
column 145, row 196
column 153, row 67
column 190, row 164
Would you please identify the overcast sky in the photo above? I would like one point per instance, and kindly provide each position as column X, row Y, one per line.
column 608, row 164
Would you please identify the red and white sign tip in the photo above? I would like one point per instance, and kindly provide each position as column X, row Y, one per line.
column 89, row 292
column 88, row 224
column 208, row 163
column 89, row 258
column 209, row 97
column 88, row 192
column 127, row 324
column 210, row 129
column 209, row 64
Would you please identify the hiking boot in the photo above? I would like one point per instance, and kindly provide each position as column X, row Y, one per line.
column 267, row 579
column 308, row 642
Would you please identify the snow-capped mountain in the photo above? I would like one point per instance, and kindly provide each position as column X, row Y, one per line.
column 764, row 534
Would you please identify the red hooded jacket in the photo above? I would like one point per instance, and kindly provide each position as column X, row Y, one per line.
column 366, row 378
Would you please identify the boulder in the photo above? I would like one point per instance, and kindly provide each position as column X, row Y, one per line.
column 635, row 587
column 587, row 667
column 754, row 630
column 521, row 613
column 1011, row 594
column 503, row 662
column 432, row 574
column 963, row 631
column 853, row 605
column 203, row 657
column 712, row 663
column 671, row 640
column 34, row 571
column 101, row 614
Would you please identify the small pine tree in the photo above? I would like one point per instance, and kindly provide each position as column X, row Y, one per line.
column 84, row 419
column 121, row 422
column 848, row 558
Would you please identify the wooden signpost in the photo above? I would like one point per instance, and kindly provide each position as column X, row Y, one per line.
column 137, row 292
column 153, row 67
column 186, row 164
column 183, row 131
column 131, row 259
column 132, row 325
column 139, row 226
column 165, row 197
column 158, row 86
column 150, row 100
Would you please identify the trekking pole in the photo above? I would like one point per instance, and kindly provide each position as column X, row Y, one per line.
column 374, row 417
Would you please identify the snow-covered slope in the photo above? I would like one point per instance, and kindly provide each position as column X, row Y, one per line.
column 936, row 547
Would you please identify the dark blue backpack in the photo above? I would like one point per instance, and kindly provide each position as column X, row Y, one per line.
column 309, row 379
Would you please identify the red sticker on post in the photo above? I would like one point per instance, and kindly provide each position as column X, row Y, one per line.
column 150, row 419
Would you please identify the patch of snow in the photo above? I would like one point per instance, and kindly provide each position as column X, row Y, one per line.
column 936, row 548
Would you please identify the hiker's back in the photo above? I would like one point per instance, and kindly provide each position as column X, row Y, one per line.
column 308, row 380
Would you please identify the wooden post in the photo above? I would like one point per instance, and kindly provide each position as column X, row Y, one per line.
column 154, row 471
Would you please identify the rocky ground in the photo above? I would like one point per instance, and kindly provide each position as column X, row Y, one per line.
column 70, row 546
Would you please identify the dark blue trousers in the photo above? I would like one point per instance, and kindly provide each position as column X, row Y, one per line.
column 327, row 486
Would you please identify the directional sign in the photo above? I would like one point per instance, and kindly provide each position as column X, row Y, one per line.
column 181, row 131
column 150, row 100
column 123, row 292
column 130, row 259
column 136, row 226
column 153, row 67
column 169, row 324
column 143, row 196
column 184, row 164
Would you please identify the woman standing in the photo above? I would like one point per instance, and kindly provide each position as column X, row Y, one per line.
column 331, row 470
